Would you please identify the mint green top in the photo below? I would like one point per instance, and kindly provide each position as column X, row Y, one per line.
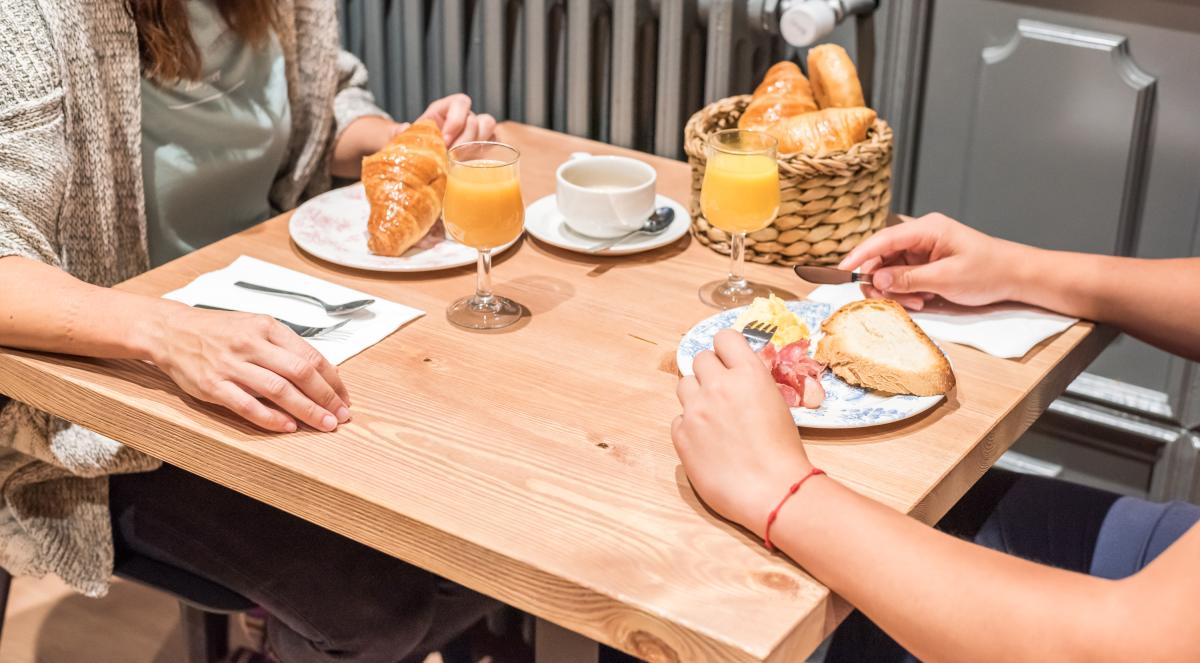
column 212, row 148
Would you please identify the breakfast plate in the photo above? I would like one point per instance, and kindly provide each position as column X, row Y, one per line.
column 333, row 227
column 845, row 405
column 543, row 221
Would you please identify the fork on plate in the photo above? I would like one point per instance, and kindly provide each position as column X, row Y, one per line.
column 758, row 334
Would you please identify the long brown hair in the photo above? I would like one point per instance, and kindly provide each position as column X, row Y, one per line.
column 168, row 51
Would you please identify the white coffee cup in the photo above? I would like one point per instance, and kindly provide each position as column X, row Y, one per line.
column 605, row 196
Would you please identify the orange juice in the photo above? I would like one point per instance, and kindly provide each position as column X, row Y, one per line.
column 740, row 193
column 483, row 208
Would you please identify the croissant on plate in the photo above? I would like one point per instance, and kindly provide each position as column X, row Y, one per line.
column 405, row 182
column 834, row 79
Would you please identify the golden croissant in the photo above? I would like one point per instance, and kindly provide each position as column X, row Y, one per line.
column 833, row 77
column 783, row 92
column 824, row 131
column 764, row 112
column 405, row 182
column 784, row 78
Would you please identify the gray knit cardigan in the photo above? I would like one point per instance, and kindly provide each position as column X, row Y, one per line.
column 71, row 196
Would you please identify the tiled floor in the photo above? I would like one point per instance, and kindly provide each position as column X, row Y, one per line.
column 48, row 623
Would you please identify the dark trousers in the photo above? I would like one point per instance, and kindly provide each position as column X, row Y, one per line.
column 329, row 598
column 1043, row 520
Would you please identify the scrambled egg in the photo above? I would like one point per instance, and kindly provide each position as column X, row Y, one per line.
column 774, row 311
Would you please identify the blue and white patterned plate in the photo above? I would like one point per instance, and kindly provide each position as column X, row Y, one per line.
column 845, row 406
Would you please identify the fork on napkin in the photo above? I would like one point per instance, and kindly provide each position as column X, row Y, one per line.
column 364, row 328
column 1004, row 330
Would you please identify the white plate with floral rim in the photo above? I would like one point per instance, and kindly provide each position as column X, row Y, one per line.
column 845, row 405
column 333, row 227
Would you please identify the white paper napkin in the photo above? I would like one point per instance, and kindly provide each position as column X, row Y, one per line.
column 366, row 327
column 1002, row 330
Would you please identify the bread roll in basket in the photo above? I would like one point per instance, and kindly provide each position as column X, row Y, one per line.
column 834, row 161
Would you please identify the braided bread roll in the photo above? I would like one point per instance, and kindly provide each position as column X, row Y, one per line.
column 405, row 182
column 834, row 79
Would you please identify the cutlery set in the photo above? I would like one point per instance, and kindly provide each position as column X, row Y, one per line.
column 303, row 331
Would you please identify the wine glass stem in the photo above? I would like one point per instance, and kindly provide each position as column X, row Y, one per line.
column 483, row 277
column 737, row 261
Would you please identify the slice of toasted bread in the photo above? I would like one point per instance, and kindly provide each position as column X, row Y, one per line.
column 873, row 343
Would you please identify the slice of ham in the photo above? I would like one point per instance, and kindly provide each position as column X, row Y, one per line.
column 794, row 352
column 790, row 396
column 797, row 375
column 796, row 355
column 794, row 366
column 769, row 355
column 814, row 394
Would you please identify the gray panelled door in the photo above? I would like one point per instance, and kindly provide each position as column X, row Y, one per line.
column 1070, row 125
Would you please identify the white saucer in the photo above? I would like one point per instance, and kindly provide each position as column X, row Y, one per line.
column 543, row 221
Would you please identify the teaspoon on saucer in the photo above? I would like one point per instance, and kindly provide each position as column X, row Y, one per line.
column 660, row 219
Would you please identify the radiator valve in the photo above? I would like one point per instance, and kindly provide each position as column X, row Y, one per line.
column 805, row 22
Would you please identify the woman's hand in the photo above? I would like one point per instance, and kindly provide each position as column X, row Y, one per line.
column 458, row 124
column 938, row 256
column 369, row 134
column 736, row 438
column 231, row 359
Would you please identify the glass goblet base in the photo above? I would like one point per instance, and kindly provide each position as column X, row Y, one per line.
column 491, row 312
column 728, row 293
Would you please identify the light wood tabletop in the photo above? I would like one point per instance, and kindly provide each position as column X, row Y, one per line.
column 535, row 464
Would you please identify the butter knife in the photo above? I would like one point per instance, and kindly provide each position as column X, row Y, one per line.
column 829, row 275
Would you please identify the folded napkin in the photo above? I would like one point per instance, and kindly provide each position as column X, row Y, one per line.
column 1002, row 330
column 366, row 328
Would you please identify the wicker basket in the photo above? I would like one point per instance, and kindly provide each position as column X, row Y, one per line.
column 827, row 205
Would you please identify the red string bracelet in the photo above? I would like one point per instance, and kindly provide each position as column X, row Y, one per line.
column 775, row 512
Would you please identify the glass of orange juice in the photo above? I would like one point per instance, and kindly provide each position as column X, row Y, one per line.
column 740, row 195
column 483, row 209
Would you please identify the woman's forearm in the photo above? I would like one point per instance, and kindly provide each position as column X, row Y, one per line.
column 944, row 599
column 219, row 357
column 44, row 308
column 1153, row 300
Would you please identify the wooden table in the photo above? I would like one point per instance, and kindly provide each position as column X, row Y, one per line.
column 535, row 464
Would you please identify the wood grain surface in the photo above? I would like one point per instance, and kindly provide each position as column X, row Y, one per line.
column 535, row 464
